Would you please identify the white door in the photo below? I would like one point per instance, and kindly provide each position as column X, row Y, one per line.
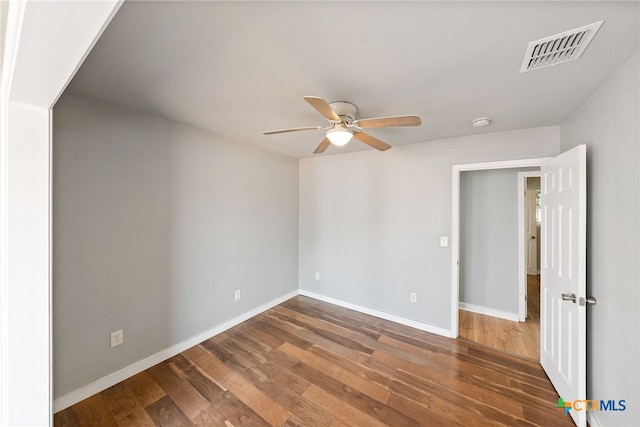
column 531, row 233
column 563, row 276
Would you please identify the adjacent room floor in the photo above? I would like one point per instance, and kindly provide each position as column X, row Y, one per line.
column 519, row 338
column 310, row 363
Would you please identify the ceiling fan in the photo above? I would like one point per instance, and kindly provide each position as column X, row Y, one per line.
column 343, row 124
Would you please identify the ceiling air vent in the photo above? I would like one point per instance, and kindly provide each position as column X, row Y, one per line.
column 563, row 47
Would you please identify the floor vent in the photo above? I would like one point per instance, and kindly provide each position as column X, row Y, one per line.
column 563, row 47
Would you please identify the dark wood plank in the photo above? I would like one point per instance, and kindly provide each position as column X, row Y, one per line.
column 267, row 339
column 191, row 403
column 189, row 372
column 539, row 417
column 337, row 334
column 235, row 412
column 261, row 403
column 340, row 409
column 282, row 330
column 309, row 363
column 448, row 403
column 125, row 408
column 279, row 392
column 260, row 360
column 422, row 413
column 255, row 399
column 294, row 421
column 146, row 390
column 346, row 377
column 338, row 320
column 369, row 371
column 93, row 412
column 346, row 394
column 165, row 413
column 460, row 381
column 65, row 418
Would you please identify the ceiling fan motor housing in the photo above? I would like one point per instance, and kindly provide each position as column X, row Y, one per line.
column 346, row 110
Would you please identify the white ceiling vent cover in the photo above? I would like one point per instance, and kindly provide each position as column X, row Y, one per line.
column 563, row 47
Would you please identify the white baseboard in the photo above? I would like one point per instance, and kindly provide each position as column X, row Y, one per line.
column 401, row 320
column 489, row 311
column 103, row 383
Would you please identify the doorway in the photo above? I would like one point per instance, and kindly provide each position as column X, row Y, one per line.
column 529, row 221
column 517, row 328
column 496, row 220
column 515, row 337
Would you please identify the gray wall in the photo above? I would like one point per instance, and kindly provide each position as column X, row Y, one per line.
column 370, row 221
column 609, row 124
column 155, row 225
column 489, row 239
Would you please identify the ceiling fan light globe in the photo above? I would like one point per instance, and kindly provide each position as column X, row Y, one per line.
column 339, row 136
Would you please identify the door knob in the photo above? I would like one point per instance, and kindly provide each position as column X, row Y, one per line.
column 533, row 237
column 569, row 297
column 588, row 300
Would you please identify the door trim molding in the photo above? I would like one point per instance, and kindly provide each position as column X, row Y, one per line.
column 522, row 242
column 455, row 221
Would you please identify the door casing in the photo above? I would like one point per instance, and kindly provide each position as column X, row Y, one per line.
column 455, row 223
column 522, row 242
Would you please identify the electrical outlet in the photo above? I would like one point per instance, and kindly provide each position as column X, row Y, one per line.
column 413, row 297
column 238, row 294
column 317, row 275
column 444, row 241
column 117, row 338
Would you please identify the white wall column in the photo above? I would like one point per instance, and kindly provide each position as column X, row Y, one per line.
column 45, row 44
column 28, row 266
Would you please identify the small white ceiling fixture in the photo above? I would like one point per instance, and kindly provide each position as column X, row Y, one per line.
column 558, row 49
column 481, row 122
column 339, row 135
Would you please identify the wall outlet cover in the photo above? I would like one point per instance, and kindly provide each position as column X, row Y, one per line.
column 117, row 338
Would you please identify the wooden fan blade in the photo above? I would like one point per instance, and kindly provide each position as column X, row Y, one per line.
column 323, row 146
column 323, row 107
column 383, row 122
column 271, row 132
column 370, row 140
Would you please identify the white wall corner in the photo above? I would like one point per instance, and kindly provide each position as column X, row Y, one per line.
column 393, row 318
column 592, row 419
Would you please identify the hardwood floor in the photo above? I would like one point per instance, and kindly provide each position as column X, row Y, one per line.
column 521, row 338
column 309, row 363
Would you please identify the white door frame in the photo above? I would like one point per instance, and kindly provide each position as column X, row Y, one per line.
column 522, row 242
column 45, row 44
column 455, row 222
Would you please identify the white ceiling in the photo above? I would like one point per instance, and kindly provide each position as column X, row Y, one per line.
column 239, row 68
